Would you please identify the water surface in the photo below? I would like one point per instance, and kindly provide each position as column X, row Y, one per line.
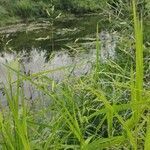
column 42, row 46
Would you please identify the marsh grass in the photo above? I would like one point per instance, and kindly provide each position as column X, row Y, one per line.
column 13, row 123
column 105, row 109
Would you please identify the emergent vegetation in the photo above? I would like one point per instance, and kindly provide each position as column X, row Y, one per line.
column 105, row 109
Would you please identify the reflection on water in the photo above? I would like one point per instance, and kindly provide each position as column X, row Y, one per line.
column 58, row 59
column 35, row 63
column 63, row 33
column 70, row 43
column 79, row 65
column 108, row 46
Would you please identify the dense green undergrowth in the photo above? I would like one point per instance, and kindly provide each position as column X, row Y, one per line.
column 106, row 109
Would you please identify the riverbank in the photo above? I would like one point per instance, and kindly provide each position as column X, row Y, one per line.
column 107, row 108
column 77, row 83
column 24, row 11
column 27, row 10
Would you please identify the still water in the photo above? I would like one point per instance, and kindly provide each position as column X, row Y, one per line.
column 40, row 46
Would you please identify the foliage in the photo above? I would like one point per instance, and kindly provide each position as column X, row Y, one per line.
column 106, row 109
column 148, row 5
column 3, row 12
column 80, row 6
column 23, row 8
column 27, row 9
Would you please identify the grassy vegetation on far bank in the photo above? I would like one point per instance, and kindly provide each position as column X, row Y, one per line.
column 24, row 10
column 13, row 11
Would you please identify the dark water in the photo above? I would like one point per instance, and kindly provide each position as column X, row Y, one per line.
column 39, row 47
column 54, row 38
column 42, row 46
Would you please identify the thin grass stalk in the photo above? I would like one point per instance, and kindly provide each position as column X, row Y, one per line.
column 137, row 82
column 97, row 51
column 138, row 29
column 138, row 85
column 147, row 138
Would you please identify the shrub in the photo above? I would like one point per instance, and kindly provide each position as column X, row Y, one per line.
column 3, row 12
column 79, row 6
column 39, row 8
column 24, row 8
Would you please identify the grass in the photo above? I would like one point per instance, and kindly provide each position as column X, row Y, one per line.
column 105, row 109
column 14, row 11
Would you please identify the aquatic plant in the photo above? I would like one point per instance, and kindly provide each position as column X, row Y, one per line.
column 101, row 110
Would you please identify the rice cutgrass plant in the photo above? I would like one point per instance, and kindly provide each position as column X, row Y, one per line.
column 84, row 112
column 13, row 120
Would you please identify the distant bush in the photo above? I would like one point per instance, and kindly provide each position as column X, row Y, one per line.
column 148, row 5
column 40, row 7
column 3, row 12
column 32, row 8
column 80, row 6
column 7, row 6
column 23, row 8
column 26, row 9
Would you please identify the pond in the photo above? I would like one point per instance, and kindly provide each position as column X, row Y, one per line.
column 41, row 46
column 69, row 45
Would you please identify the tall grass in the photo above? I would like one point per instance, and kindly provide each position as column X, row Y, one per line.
column 13, row 121
column 80, row 113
